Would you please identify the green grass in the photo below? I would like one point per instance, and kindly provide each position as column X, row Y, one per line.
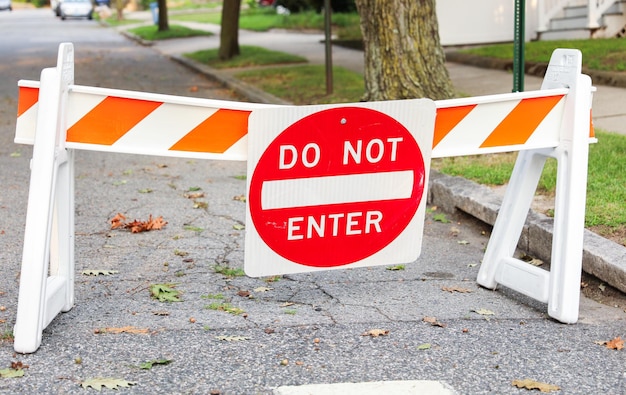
column 228, row 271
column 307, row 84
column 114, row 22
column 606, row 194
column 192, row 4
column 598, row 54
column 249, row 56
column 264, row 19
column 152, row 33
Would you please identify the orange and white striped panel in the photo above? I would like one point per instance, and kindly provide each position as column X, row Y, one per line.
column 140, row 123
column 498, row 123
column 144, row 123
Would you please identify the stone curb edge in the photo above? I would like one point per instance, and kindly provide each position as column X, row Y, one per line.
column 602, row 258
column 536, row 69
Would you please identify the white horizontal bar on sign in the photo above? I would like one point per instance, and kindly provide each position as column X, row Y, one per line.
column 353, row 188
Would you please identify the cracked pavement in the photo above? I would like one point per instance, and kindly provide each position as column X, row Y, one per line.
column 294, row 330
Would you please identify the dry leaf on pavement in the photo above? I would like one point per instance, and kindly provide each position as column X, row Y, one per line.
column 615, row 344
column 111, row 383
column 535, row 385
column 375, row 332
column 124, row 329
column 433, row 321
column 456, row 289
column 136, row 226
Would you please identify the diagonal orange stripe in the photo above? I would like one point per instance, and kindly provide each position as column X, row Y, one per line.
column 592, row 131
column 216, row 134
column 110, row 120
column 521, row 122
column 447, row 119
column 28, row 97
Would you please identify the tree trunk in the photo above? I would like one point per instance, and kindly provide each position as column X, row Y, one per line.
column 164, row 24
column 229, row 34
column 403, row 56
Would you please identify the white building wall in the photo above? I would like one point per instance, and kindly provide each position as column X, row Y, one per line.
column 468, row 22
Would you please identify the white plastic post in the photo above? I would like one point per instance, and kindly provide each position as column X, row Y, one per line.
column 559, row 287
column 48, row 237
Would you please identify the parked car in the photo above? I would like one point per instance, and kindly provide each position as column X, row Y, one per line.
column 5, row 5
column 76, row 9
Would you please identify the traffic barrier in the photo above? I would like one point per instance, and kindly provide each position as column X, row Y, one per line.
column 58, row 117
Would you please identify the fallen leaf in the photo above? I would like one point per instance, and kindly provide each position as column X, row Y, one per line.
column 118, row 221
column 615, row 344
column 396, row 267
column 239, row 227
column 535, row 385
column 262, row 289
column 126, row 329
column 287, row 304
column 243, row 294
column 456, row 289
column 165, row 293
column 193, row 195
column 137, row 226
column 602, row 287
column 148, row 364
column 531, row 260
column 232, row 338
column 18, row 365
column 240, row 198
column 463, row 242
column 424, row 346
column 193, row 89
column 96, row 272
column 433, row 321
column 200, row 204
column 110, row 383
column 483, row 312
column 9, row 373
column 161, row 313
column 375, row 332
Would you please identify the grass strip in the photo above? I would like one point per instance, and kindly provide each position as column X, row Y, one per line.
column 608, row 54
column 249, row 56
column 606, row 192
column 152, row 32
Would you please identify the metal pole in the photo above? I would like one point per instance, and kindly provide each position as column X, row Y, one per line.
column 329, row 48
column 518, row 45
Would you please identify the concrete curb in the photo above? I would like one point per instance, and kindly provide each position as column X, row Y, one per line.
column 536, row 69
column 251, row 93
column 602, row 258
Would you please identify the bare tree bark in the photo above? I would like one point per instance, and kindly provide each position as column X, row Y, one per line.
column 403, row 55
column 229, row 34
column 164, row 24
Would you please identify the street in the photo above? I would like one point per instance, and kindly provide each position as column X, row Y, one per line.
column 231, row 334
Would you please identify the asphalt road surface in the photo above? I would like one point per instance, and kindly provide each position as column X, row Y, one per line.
column 240, row 335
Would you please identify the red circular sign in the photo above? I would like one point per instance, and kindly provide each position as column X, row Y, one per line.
column 336, row 187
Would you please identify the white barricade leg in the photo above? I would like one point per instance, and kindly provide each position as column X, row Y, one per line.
column 569, row 212
column 49, row 218
column 507, row 229
column 559, row 287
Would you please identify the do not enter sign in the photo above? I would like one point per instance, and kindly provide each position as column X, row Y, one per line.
column 336, row 186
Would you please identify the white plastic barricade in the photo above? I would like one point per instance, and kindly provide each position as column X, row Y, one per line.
column 58, row 117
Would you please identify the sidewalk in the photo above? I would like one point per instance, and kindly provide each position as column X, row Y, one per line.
column 602, row 258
